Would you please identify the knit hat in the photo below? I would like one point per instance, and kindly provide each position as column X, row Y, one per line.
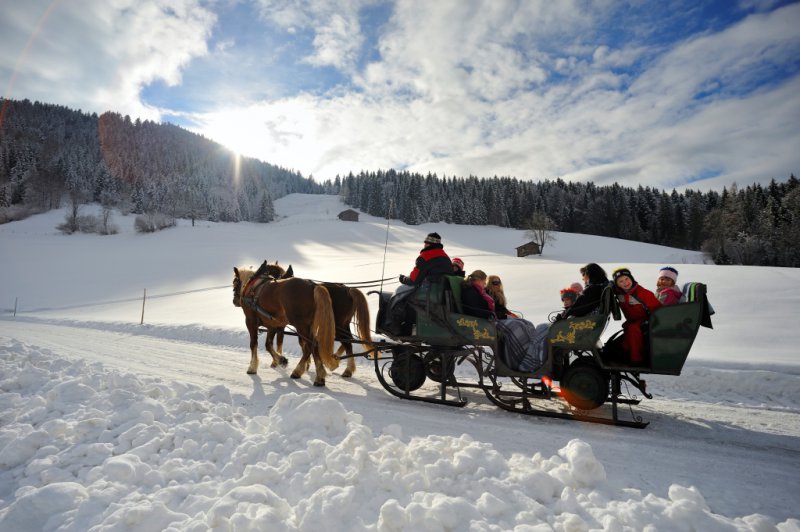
column 619, row 272
column 433, row 238
column 577, row 287
column 669, row 272
column 458, row 262
column 569, row 293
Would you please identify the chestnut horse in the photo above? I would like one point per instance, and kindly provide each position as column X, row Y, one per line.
column 348, row 304
column 276, row 303
column 274, row 270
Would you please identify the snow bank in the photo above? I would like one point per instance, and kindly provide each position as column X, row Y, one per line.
column 82, row 447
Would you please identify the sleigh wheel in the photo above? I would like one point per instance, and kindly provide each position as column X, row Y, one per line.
column 584, row 385
column 433, row 366
column 407, row 370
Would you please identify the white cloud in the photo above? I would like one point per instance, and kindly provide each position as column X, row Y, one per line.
column 454, row 94
column 530, row 89
column 335, row 23
column 97, row 55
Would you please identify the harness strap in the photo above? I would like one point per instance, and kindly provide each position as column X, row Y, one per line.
column 253, row 287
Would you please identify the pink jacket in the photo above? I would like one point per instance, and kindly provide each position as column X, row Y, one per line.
column 669, row 295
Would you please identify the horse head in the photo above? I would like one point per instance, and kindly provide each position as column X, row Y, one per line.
column 240, row 278
column 274, row 270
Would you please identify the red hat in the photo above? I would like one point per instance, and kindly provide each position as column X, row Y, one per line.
column 458, row 262
column 569, row 293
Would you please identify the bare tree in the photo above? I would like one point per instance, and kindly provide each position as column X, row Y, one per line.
column 540, row 229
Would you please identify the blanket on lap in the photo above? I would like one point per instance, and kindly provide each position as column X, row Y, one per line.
column 521, row 350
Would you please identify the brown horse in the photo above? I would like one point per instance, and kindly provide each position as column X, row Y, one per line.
column 297, row 302
column 275, row 271
column 349, row 303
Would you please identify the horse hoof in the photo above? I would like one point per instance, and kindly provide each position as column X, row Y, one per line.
column 284, row 361
column 347, row 374
column 251, row 372
column 319, row 383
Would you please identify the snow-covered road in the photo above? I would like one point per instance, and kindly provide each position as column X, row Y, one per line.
column 706, row 437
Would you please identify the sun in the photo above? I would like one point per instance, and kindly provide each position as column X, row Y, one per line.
column 237, row 131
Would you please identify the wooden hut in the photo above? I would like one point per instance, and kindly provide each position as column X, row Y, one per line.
column 531, row 248
column 349, row 215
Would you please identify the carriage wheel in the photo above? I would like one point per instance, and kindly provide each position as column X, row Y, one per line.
column 433, row 366
column 407, row 370
column 584, row 385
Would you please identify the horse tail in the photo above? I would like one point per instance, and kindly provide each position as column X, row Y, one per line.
column 324, row 327
column 362, row 318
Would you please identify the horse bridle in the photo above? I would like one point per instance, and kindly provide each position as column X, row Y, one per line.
column 237, row 289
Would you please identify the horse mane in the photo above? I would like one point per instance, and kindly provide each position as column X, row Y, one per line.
column 244, row 275
column 272, row 269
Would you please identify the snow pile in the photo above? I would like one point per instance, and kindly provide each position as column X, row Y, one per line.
column 82, row 446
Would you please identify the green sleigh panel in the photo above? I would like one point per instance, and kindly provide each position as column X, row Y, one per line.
column 672, row 333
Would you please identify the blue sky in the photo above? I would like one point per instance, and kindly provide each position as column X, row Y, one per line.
column 666, row 94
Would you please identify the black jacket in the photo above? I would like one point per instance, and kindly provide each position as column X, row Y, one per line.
column 587, row 302
column 473, row 303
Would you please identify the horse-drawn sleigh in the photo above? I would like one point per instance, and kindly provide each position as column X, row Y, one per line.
column 449, row 353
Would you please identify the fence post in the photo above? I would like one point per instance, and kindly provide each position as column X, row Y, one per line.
column 15, row 306
column 144, row 297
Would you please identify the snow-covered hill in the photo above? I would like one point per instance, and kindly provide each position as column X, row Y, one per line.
column 110, row 424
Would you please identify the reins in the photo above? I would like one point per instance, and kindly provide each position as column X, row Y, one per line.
column 356, row 284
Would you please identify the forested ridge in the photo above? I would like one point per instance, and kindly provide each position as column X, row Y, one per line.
column 50, row 155
column 750, row 225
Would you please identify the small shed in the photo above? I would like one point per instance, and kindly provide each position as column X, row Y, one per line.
column 349, row 215
column 531, row 248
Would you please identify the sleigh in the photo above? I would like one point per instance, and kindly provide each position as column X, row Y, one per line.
column 582, row 377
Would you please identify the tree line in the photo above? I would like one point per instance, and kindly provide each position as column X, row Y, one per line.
column 757, row 225
column 49, row 153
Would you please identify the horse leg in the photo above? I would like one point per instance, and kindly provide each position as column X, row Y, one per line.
column 347, row 347
column 302, row 366
column 319, row 379
column 280, row 344
column 277, row 357
column 252, row 328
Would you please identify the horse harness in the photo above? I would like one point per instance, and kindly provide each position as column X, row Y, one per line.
column 251, row 292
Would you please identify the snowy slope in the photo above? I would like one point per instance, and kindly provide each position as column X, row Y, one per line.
column 110, row 424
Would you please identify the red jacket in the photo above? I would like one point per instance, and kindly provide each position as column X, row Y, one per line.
column 637, row 303
column 432, row 261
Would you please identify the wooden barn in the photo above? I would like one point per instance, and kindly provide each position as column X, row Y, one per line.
column 349, row 215
column 531, row 248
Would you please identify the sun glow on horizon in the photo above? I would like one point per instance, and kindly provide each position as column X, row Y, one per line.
column 236, row 131
column 279, row 133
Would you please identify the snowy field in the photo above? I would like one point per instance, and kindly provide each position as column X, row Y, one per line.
column 106, row 424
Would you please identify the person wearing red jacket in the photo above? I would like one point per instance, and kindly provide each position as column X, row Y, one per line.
column 431, row 263
column 636, row 304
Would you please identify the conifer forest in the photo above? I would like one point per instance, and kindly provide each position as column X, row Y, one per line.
column 52, row 156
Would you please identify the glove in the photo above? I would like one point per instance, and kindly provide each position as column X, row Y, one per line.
column 405, row 279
